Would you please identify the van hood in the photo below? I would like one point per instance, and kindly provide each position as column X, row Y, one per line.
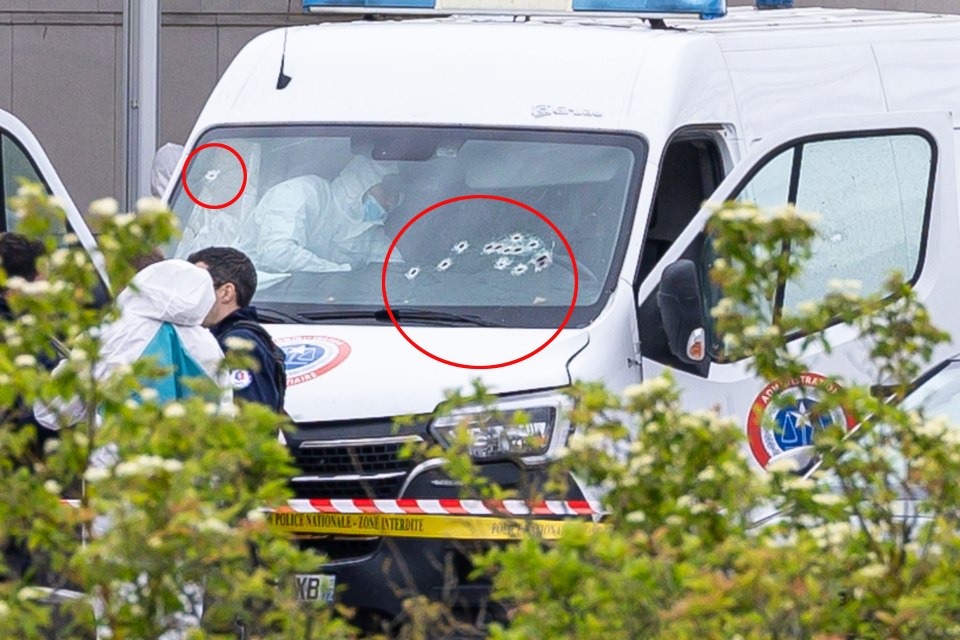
column 351, row 372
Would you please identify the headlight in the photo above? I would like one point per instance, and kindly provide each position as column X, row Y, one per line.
column 532, row 428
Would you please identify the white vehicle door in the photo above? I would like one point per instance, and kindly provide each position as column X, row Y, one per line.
column 885, row 187
column 21, row 156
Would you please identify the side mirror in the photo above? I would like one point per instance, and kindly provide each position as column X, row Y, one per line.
column 682, row 312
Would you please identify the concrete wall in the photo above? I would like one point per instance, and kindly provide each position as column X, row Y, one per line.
column 62, row 71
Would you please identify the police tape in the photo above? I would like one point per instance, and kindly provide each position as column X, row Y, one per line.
column 447, row 519
column 447, row 527
column 447, row 506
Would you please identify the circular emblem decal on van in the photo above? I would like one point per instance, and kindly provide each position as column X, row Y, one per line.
column 308, row 357
column 785, row 416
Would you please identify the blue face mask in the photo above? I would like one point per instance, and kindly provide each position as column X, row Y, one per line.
column 372, row 211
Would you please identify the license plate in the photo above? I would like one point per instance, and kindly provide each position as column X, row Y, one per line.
column 316, row 587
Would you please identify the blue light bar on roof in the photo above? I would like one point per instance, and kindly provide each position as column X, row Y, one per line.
column 703, row 8
column 774, row 4
column 371, row 4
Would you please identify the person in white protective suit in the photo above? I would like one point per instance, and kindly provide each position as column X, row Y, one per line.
column 311, row 224
column 161, row 316
column 164, row 162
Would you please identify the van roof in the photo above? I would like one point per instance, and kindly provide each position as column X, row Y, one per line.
column 491, row 70
column 738, row 19
column 746, row 19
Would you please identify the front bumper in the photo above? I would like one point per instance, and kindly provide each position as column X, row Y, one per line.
column 377, row 573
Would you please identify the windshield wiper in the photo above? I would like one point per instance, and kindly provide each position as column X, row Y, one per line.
column 422, row 316
column 270, row 316
column 321, row 316
column 435, row 317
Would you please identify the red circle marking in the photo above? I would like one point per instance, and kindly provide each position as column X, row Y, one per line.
column 480, row 196
column 243, row 185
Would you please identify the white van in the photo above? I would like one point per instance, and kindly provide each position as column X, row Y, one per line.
column 616, row 129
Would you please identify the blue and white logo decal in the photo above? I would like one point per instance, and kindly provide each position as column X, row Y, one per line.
column 240, row 378
column 784, row 416
column 308, row 357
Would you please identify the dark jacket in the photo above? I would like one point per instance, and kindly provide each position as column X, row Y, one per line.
column 19, row 414
column 263, row 384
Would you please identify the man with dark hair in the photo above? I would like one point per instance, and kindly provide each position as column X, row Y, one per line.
column 19, row 254
column 235, row 282
column 18, row 259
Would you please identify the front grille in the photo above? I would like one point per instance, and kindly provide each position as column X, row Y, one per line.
column 353, row 487
column 355, row 459
column 341, row 548
column 346, row 460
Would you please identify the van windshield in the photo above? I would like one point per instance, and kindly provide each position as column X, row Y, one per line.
column 317, row 208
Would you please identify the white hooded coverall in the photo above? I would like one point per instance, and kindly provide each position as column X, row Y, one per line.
column 309, row 224
column 161, row 315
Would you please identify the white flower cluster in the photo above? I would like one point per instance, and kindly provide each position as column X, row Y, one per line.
column 783, row 465
column 31, row 190
column 213, row 525
column 150, row 205
column 592, row 441
column 750, row 213
column 832, row 533
column 29, row 287
column 142, row 465
column 12, row 336
column 844, row 287
column 724, row 307
column 873, row 571
column 25, row 361
column 649, row 387
column 239, row 344
column 174, row 410
column 741, row 214
column 104, row 207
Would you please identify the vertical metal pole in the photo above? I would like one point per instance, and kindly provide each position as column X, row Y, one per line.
column 149, row 89
column 141, row 27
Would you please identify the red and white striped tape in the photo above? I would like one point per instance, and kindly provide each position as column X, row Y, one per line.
column 452, row 507
column 441, row 507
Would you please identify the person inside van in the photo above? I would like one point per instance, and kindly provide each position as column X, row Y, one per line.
column 311, row 224
column 164, row 162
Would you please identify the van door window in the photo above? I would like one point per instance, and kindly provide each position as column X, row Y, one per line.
column 16, row 166
column 770, row 187
column 872, row 194
column 691, row 169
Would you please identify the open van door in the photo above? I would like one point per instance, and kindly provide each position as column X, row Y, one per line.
column 21, row 156
column 886, row 189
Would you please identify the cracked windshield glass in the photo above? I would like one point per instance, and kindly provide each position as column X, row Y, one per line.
column 317, row 208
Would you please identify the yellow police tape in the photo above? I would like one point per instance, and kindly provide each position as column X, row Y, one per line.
column 422, row 526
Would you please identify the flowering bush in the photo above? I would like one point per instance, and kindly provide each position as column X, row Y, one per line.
column 167, row 514
column 700, row 544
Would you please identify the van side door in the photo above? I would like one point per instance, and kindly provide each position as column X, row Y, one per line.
column 885, row 187
column 22, row 157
